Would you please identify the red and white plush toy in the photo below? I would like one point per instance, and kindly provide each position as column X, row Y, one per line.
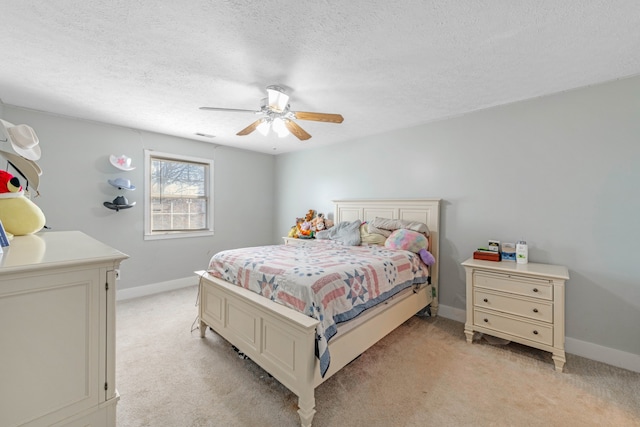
column 18, row 214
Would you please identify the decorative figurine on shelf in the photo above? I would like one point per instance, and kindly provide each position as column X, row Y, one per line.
column 19, row 215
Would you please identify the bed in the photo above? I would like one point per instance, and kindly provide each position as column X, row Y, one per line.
column 284, row 341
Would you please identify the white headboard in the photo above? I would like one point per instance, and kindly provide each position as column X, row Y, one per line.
column 422, row 210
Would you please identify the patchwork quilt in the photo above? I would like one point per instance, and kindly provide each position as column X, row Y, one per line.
column 327, row 281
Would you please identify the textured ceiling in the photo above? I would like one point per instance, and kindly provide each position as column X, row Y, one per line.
column 383, row 65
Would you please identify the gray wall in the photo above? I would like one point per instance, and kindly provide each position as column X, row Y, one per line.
column 75, row 163
column 562, row 172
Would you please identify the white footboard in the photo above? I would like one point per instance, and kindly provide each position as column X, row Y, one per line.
column 279, row 339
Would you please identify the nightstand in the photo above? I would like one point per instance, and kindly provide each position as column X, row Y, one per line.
column 517, row 302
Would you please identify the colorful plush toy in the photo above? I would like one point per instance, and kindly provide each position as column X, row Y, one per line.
column 318, row 222
column 304, row 229
column 309, row 216
column 412, row 241
column 18, row 214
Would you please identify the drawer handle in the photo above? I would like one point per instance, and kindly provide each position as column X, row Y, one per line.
column 485, row 300
column 535, row 332
column 535, row 289
column 535, row 310
column 486, row 320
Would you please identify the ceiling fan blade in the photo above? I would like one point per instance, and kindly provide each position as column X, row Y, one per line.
column 253, row 126
column 318, row 117
column 293, row 127
column 237, row 110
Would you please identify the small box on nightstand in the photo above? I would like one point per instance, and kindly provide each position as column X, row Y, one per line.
column 487, row 255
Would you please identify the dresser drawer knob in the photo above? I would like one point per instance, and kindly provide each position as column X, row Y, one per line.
column 535, row 310
column 535, row 289
column 535, row 332
column 486, row 320
column 485, row 300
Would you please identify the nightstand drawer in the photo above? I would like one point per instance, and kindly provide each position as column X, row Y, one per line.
column 535, row 288
column 531, row 331
column 533, row 309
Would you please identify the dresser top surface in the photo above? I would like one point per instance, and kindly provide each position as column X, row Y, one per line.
column 54, row 248
column 529, row 269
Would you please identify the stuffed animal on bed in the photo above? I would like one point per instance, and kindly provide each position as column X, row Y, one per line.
column 304, row 229
column 411, row 241
column 18, row 214
column 318, row 222
column 309, row 216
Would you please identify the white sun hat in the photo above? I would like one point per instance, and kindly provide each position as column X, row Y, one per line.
column 22, row 139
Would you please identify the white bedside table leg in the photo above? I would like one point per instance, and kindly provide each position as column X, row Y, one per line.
column 469, row 334
column 559, row 360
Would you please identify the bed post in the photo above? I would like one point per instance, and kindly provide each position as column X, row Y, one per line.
column 433, row 307
column 305, row 389
column 203, row 329
column 307, row 407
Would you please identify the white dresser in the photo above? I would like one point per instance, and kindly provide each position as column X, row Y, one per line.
column 518, row 302
column 57, row 331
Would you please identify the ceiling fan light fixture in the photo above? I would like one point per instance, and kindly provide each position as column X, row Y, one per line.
column 278, row 100
column 279, row 127
column 264, row 127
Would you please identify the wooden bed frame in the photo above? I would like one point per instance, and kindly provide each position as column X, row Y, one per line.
column 282, row 340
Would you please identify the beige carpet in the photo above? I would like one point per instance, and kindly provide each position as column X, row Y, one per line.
column 424, row 373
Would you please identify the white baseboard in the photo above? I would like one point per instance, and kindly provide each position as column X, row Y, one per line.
column 607, row 355
column 155, row 288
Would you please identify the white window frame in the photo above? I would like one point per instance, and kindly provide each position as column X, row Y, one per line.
column 156, row 235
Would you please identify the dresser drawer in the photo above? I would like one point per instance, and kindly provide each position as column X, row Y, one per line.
column 527, row 286
column 531, row 331
column 520, row 306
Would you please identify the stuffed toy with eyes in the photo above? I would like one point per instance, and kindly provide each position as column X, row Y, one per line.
column 19, row 215
column 318, row 222
column 412, row 241
column 304, row 229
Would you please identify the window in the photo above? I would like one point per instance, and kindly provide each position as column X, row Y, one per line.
column 179, row 200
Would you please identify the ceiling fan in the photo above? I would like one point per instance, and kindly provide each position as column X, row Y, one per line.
column 278, row 115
